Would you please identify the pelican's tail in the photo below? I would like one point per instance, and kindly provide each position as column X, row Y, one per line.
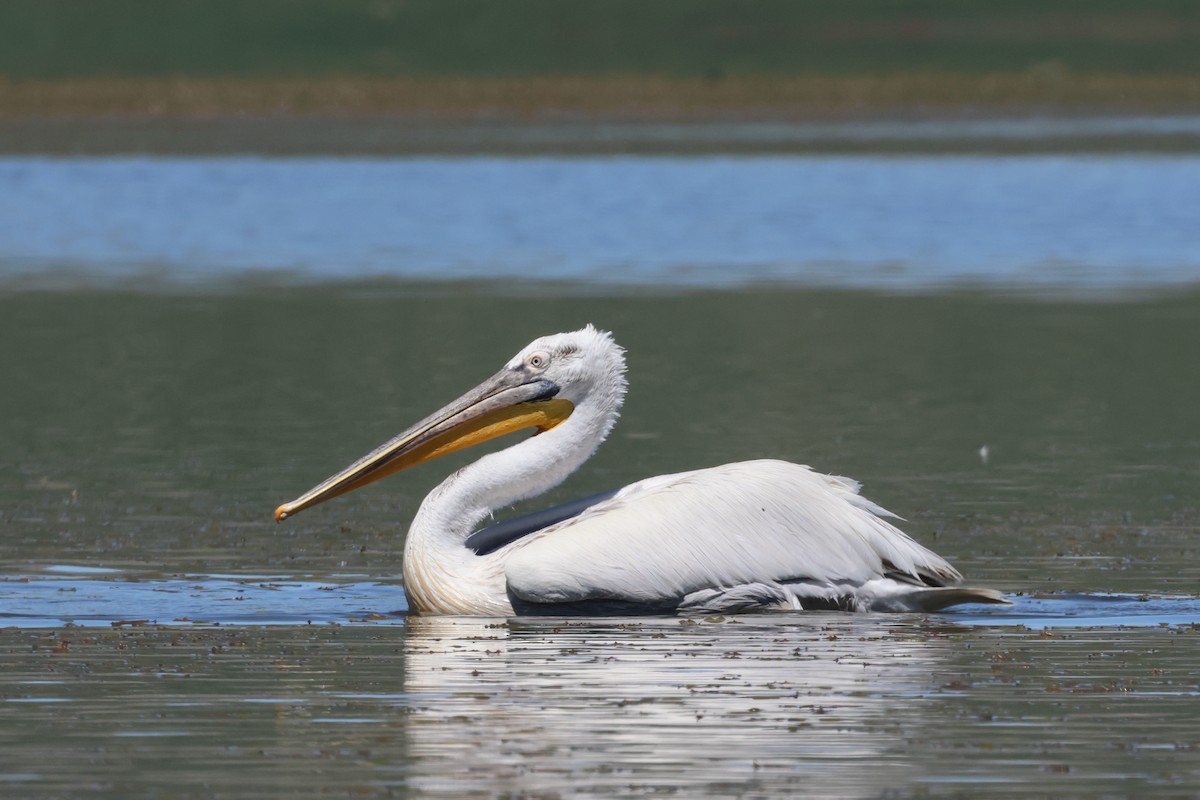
column 937, row 598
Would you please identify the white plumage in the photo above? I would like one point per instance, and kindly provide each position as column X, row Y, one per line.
column 745, row 536
column 736, row 524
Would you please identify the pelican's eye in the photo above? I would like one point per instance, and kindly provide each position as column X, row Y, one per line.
column 538, row 360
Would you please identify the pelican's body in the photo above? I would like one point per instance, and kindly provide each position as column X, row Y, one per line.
column 752, row 535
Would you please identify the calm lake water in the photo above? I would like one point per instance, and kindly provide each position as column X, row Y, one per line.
column 187, row 343
column 1082, row 222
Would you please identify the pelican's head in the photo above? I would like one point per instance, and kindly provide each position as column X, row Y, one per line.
column 540, row 388
column 584, row 365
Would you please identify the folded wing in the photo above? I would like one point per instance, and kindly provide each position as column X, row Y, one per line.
column 757, row 522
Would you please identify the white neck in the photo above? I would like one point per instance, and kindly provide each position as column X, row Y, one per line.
column 438, row 568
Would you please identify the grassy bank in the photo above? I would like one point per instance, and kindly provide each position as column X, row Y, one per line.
column 357, row 75
column 80, row 38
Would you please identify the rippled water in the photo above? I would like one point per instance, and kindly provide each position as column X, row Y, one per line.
column 163, row 637
column 823, row 705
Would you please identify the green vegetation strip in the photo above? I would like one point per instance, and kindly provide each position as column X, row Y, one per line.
column 699, row 38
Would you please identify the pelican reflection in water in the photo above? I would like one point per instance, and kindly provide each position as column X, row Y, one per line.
column 748, row 536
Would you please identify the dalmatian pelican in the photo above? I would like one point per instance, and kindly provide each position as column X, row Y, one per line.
column 753, row 535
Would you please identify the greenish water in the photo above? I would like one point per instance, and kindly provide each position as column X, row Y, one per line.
column 147, row 437
column 158, row 432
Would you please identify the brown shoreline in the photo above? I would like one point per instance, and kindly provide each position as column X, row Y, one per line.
column 374, row 136
column 646, row 98
column 364, row 115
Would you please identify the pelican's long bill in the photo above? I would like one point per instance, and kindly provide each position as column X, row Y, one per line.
column 509, row 401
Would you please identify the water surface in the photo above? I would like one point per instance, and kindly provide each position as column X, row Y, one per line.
column 1082, row 223
column 823, row 706
column 163, row 637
